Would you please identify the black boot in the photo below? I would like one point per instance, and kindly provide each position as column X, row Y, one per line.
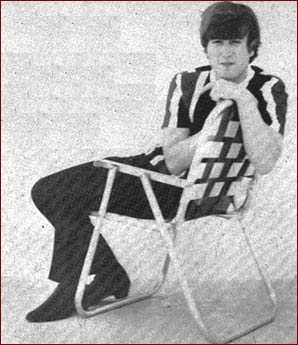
column 113, row 282
column 59, row 305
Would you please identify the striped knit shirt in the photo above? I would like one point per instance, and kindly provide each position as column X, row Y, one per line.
column 186, row 108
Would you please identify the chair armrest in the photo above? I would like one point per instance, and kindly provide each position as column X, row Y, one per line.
column 172, row 179
column 135, row 171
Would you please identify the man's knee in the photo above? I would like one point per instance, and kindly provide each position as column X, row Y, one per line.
column 38, row 191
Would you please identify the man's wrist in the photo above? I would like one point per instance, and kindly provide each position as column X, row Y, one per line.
column 245, row 98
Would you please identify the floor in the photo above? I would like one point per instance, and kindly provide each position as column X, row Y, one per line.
column 159, row 320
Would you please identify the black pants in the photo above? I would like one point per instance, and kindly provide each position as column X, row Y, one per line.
column 67, row 198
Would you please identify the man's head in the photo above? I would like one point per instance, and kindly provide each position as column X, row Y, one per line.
column 228, row 20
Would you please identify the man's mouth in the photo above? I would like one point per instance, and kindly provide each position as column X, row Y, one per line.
column 227, row 64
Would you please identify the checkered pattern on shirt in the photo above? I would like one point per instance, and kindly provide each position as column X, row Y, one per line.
column 225, row 162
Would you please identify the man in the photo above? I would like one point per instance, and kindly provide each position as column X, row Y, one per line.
column 230, row 36
column 230, row 44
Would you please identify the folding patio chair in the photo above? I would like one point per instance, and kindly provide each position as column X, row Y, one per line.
column 218, row 168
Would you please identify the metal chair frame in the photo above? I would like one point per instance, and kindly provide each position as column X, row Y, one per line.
column 168, row 232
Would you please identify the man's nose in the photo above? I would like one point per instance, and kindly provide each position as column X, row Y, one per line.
column 227, row 50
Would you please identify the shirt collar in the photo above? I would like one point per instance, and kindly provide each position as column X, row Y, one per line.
column 244, row 83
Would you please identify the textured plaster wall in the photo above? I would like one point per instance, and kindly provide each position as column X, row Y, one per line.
column 81, row 80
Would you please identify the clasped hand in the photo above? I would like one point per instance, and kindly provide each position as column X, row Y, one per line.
column 223, row 89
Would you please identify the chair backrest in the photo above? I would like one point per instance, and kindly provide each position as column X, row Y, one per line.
column 220, row 168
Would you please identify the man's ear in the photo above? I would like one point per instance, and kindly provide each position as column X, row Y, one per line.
column 252, row 48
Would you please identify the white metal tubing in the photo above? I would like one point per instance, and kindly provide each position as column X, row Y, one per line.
column 89, row 259
column 266, row 281
column 240, row 217
column 93, row 242
column 111, row 305
column 163, row 227
column 135, row 171
column 269, row 290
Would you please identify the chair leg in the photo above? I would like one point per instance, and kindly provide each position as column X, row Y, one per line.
column 169, row 241
column 214, row 339
column 116, row 304
column 89, row 259
column 163, row 227
column 269, row 289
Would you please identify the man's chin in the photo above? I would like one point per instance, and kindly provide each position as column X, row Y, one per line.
column 228, row 78
column 233, row 77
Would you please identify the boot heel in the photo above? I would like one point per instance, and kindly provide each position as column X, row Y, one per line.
column 122, row 293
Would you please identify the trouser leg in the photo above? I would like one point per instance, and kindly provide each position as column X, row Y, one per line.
column 66, row 199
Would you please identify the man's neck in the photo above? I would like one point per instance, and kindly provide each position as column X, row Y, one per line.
column 241, row 80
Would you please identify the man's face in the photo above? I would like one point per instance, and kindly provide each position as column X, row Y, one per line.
column 229, row 58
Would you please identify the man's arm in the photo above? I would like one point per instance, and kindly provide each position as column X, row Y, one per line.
column 263, row 144
column 178, row 149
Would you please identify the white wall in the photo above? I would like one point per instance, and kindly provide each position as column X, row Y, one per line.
column 84, row 79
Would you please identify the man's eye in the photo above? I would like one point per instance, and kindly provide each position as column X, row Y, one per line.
column 236, row 41
column 216, row 41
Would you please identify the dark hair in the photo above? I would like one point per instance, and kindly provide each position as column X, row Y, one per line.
column 229, row 20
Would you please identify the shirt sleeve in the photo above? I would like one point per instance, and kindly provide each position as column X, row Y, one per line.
column 275, row 96
column 177, row 114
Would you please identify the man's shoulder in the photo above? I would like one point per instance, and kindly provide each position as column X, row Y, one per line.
column 190, row 77
column 267, row 86
column 262, row 76
column 195, row 72
column 259, row 73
